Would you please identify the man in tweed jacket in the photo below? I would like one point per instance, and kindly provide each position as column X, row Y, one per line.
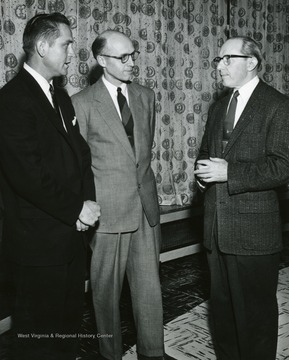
column 242, row 221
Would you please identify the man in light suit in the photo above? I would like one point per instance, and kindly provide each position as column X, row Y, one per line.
column 48, row 195
column 127, row 238
column 240, row 174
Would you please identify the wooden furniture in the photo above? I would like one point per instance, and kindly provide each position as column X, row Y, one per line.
column 182, row 230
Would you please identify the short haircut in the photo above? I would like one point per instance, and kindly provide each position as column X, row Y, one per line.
column 42, row 26
column 250, row 48
column 100, row 42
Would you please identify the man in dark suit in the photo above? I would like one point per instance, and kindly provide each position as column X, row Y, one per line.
column 48, row 195
column 117, row 118
column 240, row 170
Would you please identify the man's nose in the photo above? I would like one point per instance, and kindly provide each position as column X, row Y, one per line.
column 130, row 60
column 71, row 51
column 220, row 65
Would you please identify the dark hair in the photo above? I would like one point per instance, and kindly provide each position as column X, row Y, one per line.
column 98, row 45
column 251, row 48
column 44, row 26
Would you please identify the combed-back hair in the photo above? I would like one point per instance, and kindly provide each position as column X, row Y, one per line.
column 42, row 26
column 100, row 42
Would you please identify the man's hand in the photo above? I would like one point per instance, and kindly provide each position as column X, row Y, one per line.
column 212, row 170
column 89, row 215
column 80, row 226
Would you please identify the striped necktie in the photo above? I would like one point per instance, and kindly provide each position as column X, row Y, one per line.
column 230, row 119
column 127, row 119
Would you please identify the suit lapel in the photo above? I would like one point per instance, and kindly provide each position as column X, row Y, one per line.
column 137, row 111
column 44, row 103
column 252, row 108
column 58, row 122
column 39, row 96
column 106, row 108
column 218, row 126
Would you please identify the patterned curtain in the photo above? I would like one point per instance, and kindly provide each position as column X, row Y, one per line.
column 177, row 39
column 267, row 22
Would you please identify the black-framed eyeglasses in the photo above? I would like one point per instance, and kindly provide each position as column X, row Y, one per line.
column 124, row 58
column 226, row 58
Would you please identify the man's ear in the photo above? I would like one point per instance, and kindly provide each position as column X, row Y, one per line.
column 41, row 46
column 252, row 63
column 101, row 61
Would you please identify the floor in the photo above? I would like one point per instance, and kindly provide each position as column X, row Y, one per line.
column 185, row 286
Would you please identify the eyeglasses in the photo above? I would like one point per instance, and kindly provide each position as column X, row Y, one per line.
column 124, row 58
column 226, row 58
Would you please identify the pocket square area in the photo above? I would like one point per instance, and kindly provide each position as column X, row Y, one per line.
column 74, row 121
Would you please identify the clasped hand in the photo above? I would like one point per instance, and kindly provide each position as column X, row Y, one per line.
column 212, row 170
column 89, row 215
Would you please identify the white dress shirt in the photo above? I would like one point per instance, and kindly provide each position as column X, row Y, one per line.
column 245, row 93
column 45, row 86
column 112, row 89
column 43, row 83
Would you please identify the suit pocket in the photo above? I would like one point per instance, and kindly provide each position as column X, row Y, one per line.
column 259, row 206
column 260, row 225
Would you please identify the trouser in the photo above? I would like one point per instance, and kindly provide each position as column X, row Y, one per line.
column 48, row 309
column 244, row 310
column 137, row 255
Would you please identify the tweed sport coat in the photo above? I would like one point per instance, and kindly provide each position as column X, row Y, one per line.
column 245, row 209
column 45, row 174
column 124, row 181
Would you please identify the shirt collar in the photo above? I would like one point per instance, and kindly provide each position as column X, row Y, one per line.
column 113, row 89
column 43, row 83
column 246, row 90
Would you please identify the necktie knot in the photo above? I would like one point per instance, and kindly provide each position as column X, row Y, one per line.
column 54, row 100
column 55, row 104
column 236, row 94
column 127, row 119
column 120, row 98
column 51, row 89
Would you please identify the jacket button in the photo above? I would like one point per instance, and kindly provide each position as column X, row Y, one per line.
column 137, row 165
column 139, row 186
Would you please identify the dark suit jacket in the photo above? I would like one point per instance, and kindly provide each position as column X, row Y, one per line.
column 124, row 181
column 45, row 174
column 245, row 208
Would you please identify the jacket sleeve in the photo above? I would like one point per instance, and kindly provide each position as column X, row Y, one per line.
column 271, row 169
column 204, row 151
column 80, row 115
column 25, row 168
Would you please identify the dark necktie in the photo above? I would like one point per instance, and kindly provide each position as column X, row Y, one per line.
column 54, row 100
column 230, row 119
column 127, row 119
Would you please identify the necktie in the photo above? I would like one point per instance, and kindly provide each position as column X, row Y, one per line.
column 127, row 119
column 56, row 106
column 54, row 100
column 230, row 119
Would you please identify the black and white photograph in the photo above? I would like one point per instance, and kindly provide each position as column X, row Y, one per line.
column 144, row 180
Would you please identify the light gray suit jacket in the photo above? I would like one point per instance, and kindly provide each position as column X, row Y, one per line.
column 124, row 181
column 245, row 208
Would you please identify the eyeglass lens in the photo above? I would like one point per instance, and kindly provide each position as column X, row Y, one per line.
column 133, row 55
column 225, row 58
